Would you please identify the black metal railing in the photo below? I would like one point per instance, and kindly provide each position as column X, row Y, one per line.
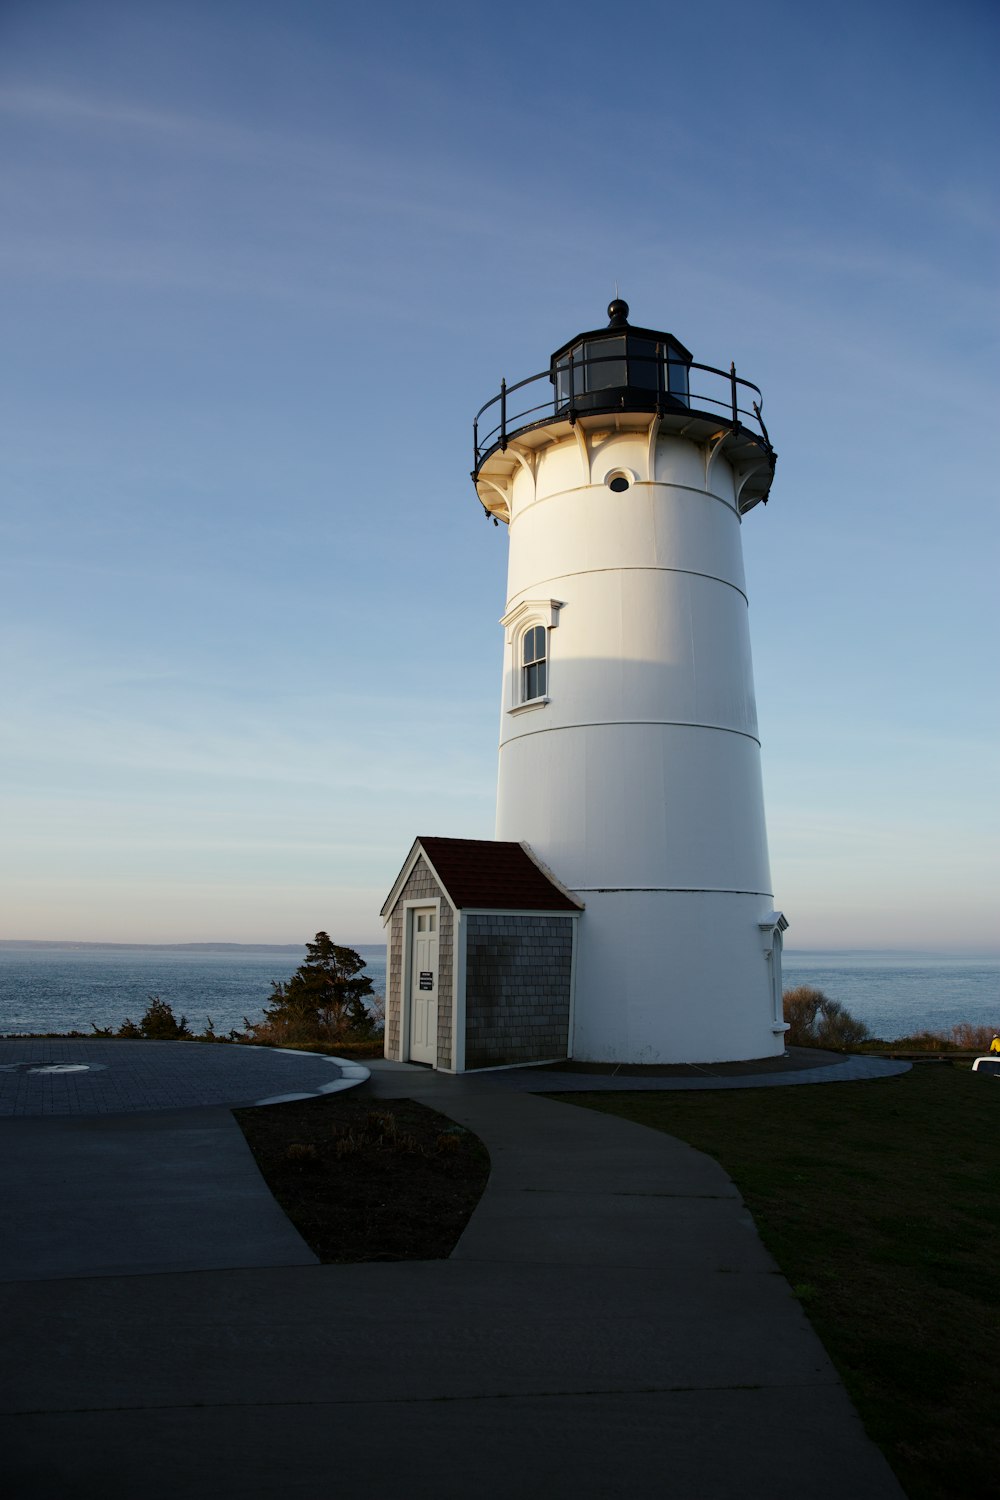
column 575, row 391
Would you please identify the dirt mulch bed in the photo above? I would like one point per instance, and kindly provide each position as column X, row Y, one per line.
column 368, row 1180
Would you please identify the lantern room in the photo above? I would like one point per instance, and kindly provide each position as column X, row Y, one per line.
column 621, row 366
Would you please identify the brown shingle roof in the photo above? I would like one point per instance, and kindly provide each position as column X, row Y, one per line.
column 485, row 873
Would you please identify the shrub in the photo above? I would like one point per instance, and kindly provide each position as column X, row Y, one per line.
column 816, row 1021
column 969, row 1038
column 159, row 1024
column 920, row 1041
column 965, row 1037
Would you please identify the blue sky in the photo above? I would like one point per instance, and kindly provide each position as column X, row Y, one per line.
column 262, row 264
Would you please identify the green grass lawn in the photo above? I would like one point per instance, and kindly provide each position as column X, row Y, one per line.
column 881, row 1203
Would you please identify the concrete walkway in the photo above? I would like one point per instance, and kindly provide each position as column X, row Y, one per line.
column 135, row 1195
column 609, row 1325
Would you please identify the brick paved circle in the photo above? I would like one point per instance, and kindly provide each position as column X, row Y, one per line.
column 128, row 1077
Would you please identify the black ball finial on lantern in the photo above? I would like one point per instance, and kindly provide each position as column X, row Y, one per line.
column 618, row 313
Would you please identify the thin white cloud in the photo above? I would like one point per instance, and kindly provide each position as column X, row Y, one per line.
column 57, row 107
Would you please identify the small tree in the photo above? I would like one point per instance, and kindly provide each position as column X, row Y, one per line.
column 323, row 1001
column 159, row 1024
column 816, row 1021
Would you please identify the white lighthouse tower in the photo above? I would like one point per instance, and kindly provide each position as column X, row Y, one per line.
column 629, row 754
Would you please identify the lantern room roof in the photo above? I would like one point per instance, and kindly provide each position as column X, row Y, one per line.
column 618, row 323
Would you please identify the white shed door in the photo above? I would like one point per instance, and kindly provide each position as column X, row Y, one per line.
column 423, row 985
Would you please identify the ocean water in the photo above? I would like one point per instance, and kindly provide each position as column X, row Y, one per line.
column 897, row 994
column 56, row 988
column 63, row 988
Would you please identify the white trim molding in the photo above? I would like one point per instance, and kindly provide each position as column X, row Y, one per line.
column 408, row 907
column 458, row 1021
column 551, row 876
column 775, row 921
column 416, row 852
column 546, row 611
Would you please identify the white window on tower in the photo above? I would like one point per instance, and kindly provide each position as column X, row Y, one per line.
column 534, row 647
column 529, row 627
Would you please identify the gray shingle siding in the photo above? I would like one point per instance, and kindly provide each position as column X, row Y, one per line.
column 518, row 975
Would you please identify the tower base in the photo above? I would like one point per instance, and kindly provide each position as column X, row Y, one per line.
column 677, row 977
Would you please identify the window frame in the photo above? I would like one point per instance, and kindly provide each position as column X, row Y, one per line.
column 533, row 631
column 520, row 623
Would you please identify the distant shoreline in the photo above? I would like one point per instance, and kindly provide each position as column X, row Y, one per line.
column 69, row 946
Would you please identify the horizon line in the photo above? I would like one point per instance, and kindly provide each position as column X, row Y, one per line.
column 985, row 952
column 192, row 943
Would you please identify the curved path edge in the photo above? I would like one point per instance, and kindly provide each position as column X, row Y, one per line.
column 853, row 1069
column 72, row 1076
